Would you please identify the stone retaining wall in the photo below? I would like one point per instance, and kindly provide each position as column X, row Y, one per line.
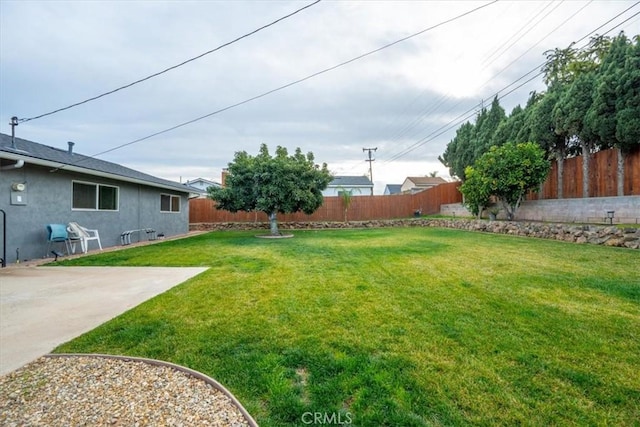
column 599, row 235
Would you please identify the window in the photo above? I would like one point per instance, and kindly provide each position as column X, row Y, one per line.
column 94, row 196
column 169, row 203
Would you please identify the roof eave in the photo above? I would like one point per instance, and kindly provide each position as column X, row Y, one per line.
column 72, row 168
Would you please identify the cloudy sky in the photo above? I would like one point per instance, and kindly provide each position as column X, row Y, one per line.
column 405, row 100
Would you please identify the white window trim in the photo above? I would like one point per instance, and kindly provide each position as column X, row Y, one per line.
column 171, row 196
column 97, row 185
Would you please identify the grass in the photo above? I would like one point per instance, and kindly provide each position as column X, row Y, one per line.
column 396, row 327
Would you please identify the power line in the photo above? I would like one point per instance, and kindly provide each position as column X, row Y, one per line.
column 473, row 110
column 531, row 21
column 443, row 98
column 262, row 95
column 456, row 122
column 172, row 67
column 512, row 62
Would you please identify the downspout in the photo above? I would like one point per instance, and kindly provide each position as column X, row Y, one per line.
column 3, row 260
column 17, row 165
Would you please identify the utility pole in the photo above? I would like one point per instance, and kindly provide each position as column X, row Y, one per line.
column 370, row 160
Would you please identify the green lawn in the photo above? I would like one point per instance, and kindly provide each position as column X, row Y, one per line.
column 397, row 327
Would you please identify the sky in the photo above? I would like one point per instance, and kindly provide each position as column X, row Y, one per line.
column 406, row 100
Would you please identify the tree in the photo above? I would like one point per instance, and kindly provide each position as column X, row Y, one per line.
column 628, row 104
column 568, row 115
column 510, row 128
column 543, row 132
column 347, row 197
column 486, row 126
column 279, row 184
column 471, row 141
column 614, row 113
column 510, row 171
column 459, row 152
column 476, row 191
column 560, row 65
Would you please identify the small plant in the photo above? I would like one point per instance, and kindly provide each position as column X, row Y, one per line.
column 346, row 196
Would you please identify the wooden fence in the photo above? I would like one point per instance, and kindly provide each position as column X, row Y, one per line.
column 602, row 183
column 362, row 208
column 603, row 177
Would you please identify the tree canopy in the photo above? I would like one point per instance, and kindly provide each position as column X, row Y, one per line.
column 592, row 102
column 507, row 172
column 280, row 184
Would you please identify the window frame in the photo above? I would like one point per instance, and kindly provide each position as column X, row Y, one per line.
column 96, row 205
column 171, row 197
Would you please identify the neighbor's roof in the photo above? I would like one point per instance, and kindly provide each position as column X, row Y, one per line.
column 394, row 188
column 350, row 181
column 202, row 180
column 426, row 180
column 56, row 158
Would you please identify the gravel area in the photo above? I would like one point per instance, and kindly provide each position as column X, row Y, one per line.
column 99, row 391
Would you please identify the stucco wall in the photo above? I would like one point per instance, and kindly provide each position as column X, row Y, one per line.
column 48, row 200
column 591, row 210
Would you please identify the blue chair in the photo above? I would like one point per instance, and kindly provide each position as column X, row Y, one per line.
column 57, row 233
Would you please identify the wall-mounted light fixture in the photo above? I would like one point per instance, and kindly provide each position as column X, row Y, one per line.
column 18, row 186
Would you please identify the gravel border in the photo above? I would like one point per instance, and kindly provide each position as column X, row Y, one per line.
column 99, row 389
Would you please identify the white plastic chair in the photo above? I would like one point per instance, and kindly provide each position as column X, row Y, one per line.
column 84, row 235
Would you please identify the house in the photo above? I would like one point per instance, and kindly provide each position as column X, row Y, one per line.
column 202, row 184
column 392, row 189
column 42, row 185
column 418, row 183
column 357, row 185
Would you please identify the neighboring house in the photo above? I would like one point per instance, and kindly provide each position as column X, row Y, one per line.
column 392, row 189
column 416, row 184
column 42, row 185
column 357, row 185
column 202, row 184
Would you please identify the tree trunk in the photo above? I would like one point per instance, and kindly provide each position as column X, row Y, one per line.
column 586, row 154
column 620, row 172
column 273, row 224
column 508, row 209
column 560, row 163
column 560, row 155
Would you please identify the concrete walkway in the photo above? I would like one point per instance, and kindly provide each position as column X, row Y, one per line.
column 43, row 307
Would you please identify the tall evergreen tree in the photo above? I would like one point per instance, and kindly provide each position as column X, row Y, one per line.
column 486, row 127
column 510, row 128
column 628, row 101
column 602, row 117
column 543, row 132
column 459, row 152
column 568, row 116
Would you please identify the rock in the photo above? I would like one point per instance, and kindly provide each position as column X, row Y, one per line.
column 614, row 242
column 582, row 234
